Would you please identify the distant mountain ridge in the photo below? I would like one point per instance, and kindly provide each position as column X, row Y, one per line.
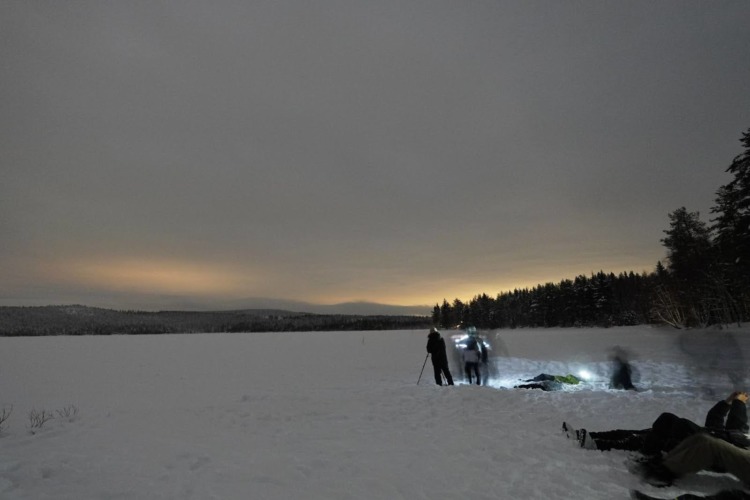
column 85, row 320
column 155, row 303
column 359, row 307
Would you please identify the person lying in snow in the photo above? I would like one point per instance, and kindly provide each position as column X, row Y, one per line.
column 722, row 495
column 699, row 452
column 547, row 382
column 726, row 420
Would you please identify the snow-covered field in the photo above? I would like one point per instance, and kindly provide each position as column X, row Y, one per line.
column 339, row 415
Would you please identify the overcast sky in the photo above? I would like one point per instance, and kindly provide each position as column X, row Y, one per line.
column 402, row 152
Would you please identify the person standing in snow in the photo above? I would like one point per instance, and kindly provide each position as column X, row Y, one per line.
column 436, row 349
column 485, row 367
column 471, row 357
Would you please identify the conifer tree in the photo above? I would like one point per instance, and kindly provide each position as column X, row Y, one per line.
column 688, row 245
column 732, row 232
column 732, row 224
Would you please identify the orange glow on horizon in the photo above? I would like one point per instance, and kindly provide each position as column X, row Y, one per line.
column 154, row 276
column 238, row 281
column 429, row 292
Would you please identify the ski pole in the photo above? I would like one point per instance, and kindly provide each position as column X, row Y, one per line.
column 423, row 365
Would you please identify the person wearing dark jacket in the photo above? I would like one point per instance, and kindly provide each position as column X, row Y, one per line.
column 726, row 420
column 622, row 373
column 436, row 349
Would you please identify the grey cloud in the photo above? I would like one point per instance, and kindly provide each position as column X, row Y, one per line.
column 360, row 136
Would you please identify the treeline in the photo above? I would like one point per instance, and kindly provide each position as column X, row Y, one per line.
column 601, row 300
column 706, row 279
column 82, row 320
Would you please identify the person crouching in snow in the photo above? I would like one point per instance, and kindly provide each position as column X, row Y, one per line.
column 436, row 348
column 621, row 371
column 471, row 357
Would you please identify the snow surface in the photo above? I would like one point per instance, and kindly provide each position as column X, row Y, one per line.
column 339, row 415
